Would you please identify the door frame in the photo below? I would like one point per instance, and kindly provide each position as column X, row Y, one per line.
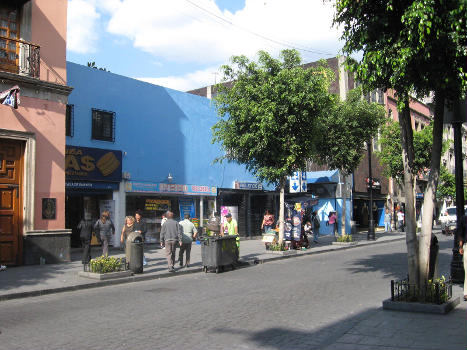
column 29, row 176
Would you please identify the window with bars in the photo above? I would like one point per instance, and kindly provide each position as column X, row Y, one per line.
column 103, row 125
column 69, row 120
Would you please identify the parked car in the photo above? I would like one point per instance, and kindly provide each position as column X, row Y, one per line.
column 448, row 220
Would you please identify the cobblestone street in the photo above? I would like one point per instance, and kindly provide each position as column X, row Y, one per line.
column 331, row 300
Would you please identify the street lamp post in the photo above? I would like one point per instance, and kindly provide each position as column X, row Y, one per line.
column 371, row 222
column 459, row 116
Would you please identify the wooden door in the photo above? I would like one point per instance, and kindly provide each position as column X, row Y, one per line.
column 11, row 173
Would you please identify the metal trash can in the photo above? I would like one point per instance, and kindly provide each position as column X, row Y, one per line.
column 136, row 255
column 217, row 252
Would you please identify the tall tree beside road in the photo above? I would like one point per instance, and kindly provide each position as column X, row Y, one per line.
column 391, row 150
column 270, row 114
column 412, row 46
column 352, row 123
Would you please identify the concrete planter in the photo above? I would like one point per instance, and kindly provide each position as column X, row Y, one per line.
column 105, row 276
column 283, row 253
column 344, row 243
column 421, row 307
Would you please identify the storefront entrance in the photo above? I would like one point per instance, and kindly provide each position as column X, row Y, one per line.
column 11, row 174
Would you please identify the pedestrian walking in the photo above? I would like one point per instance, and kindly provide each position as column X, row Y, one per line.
column 462, row 237
column 332, row 220
column 230, row 227
column 140, row 226
column 400, row 220
column 188, row 236
column 105, row 228
column 268, row 221
column 127, row 229
column 85, row 227
column 387, row 220
column 316, row 225
column 171, row 234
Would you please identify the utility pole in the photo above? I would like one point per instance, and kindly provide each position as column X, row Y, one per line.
column 371, row 222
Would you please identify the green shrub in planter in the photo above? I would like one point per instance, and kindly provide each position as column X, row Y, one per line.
column 105, row 264
column 277, row 247
column 345, row 238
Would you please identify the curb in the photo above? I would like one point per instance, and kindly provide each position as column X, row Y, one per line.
column 139, row 278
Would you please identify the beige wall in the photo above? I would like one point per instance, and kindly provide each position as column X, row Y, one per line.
column 48, row 30
column 46, row 120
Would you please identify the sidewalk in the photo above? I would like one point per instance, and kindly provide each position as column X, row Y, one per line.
column 26, row 281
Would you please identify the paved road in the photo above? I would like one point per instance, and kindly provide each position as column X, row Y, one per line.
column 310, row 302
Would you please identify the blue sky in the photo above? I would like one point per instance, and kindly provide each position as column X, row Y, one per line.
column 182, row 43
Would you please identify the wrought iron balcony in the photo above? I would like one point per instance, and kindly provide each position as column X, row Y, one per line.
column 19, row 57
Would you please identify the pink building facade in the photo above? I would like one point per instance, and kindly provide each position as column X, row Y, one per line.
column 32, row 135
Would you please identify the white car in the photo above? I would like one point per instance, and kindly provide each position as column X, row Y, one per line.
column 449, row 216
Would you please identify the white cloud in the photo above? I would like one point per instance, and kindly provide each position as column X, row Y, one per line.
column 81, row 26
column 198, row 31
column 188, row 81
column 183, row 31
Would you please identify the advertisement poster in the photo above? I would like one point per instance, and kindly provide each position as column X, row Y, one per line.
column 186, row 205
column 293, row 221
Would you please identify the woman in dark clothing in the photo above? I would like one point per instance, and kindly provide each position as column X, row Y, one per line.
column 140, row 226
column 85, row 233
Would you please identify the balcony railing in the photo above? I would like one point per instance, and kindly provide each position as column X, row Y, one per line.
column 20, row 57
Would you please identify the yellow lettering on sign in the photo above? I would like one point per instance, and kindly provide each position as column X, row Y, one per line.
column 87, row 163
column 71, row 162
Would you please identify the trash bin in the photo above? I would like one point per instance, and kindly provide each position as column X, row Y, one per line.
column 433, row 266
column 217, row 252
column 136, row 255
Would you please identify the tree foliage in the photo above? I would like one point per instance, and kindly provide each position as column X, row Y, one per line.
column 391, row 149
column 410, row 45
column 270, row 114
column 352, row 123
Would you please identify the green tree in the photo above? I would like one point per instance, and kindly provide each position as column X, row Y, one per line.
column 412, row 46
column 269, row 115
column 447, row 184
column 391, row 150
column 351, row 124
column 93, row 65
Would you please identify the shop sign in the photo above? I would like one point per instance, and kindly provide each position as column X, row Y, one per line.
column 256, row 186
column 419, row 195
column 91, row 185
column 93, row 164
column 376, row 183
column 298, row 182
column 147, row 187
column 157, row 204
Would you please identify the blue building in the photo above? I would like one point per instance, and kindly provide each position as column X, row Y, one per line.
column 133, row 146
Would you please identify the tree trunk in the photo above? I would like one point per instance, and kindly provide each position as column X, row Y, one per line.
column 343, row 185
column 408, row 155
column 430, row 192
column 281, row 210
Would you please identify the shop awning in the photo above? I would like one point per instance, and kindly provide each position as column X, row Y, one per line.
column 327, row 176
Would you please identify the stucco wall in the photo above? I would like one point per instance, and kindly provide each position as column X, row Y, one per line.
column 46, row 120
column 48, row 27
column 159, row 130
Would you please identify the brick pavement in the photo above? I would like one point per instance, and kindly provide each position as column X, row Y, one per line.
column 25, row 281
column 320, row 301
